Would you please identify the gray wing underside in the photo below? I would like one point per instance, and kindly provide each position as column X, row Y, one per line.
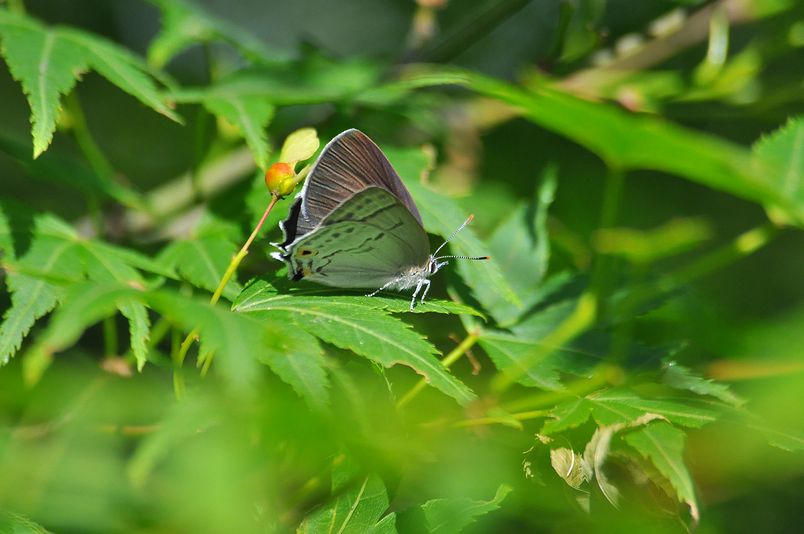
column 367, row 241
column 350, row 163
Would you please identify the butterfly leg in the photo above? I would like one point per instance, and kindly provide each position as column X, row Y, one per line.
column 413, row 299
column 426, row 283
column 385, row 286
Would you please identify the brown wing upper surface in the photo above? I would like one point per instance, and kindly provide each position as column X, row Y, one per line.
column 350, row 163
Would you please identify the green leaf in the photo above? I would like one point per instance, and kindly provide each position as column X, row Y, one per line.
column 240, row 341
column 520, row 246
column 680, row 377
column 251, row 115
column 56, row 168
column 202, row 262
column 442, row 216
column 11, row 523
column 783, row 152
column 359, row 502
column 312, row 81
column 53, row 251
column 622, row 406
column 104, row 267
column 259, row 295
column 507, row 351
column 48, row 61
column 366, row 331
column 663, row 444
column 450, row 516
column 627, row 141
column 568, row 415
column 185, row 24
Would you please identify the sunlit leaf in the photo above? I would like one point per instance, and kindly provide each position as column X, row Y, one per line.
column 359, row 501
column 370, row 333
column 450, row 516
column 663, row 444
column 49, row 61
column 622, row 406
column 186, row 23
column 202, row 262
column 681, row 377
column 783, row 151
column 520, row 247
column 11, row 523
column 251, row 115
column 442, row 216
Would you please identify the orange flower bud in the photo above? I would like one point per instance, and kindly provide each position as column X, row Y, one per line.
column 280, row 179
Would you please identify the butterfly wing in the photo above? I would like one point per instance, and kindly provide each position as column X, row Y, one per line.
column 350, row 163
column 365, row 242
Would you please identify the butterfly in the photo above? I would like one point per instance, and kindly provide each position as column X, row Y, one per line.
column 355, row 225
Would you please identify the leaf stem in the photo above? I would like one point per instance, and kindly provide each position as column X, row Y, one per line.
column 97, row 160
column 522, row 416
column 178, row 361
column 110, row 336
column 604, row 374
column 448, row 360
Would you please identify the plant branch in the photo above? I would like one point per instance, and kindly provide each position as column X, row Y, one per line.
column 448, row 360
column 178, row 382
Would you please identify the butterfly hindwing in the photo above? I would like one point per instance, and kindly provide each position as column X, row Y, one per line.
column 369, row 239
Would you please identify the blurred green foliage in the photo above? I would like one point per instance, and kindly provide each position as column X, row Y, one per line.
column 630, row 359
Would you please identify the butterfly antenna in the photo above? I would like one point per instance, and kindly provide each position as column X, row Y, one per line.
column 461, row 227
column 464, row 257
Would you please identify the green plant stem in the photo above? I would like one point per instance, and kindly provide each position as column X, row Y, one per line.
column 522, row 416
column 109, row 336
column 602, row 265
column 448, row 360
column 178, row 380
column 743, row 245
column 604, row 374
column 89, row 147
column 581, row 318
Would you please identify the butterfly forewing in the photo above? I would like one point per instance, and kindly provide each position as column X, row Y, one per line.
column 350, row 163
column 370, row 239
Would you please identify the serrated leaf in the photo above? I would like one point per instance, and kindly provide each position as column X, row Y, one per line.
column 359, row 502
column 240, row 341
column 48, row 61
column 622, row 406
column 521, row 248
column 507, row 351
column 450, row 516
column 663, row 444
column 185, row 24
column 202, row 262
column 52, row 250
column 251, row 115
column 103, row 267
column 629, row 141
column 47, row 66
column 368, row 332
column 680, row 377
column 783, row 151
column 314, row 80
column 442, row 216
column 259, row 295
column 568, row 415
column 11, row 523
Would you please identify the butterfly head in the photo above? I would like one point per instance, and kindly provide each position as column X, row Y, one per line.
column 437, row 262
